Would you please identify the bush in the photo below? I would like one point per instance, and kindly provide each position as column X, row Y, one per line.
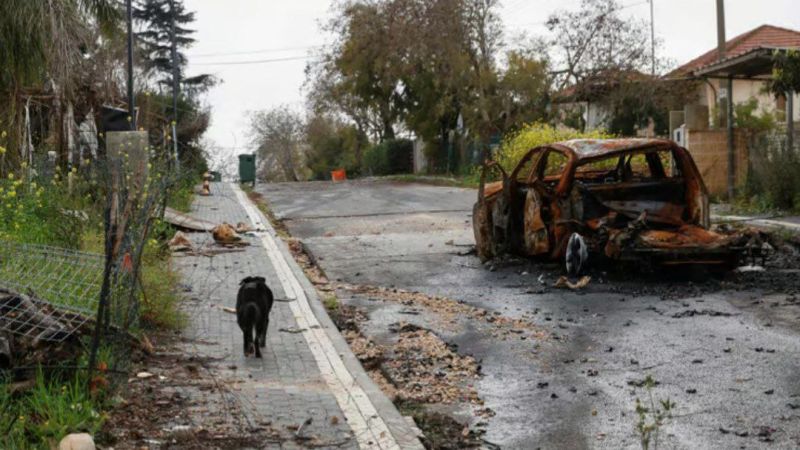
column 774, row 181
column 389, row 157
column 39, row 211
column 515, row 145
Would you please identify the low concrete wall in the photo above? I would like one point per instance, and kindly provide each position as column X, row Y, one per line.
column 709, row 148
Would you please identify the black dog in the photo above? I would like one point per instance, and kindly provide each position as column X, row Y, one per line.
column 253, row 304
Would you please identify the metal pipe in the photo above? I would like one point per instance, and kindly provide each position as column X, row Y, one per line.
column 175, row 85
column 790, row 121
column 131, row 100
column 653, row 37
column 731, row 146
column 721, row 29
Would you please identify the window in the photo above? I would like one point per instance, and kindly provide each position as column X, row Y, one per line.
column 628, row 167
column 556, row 163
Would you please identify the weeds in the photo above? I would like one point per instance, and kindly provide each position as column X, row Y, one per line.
column 53, row 408
column 651, row 416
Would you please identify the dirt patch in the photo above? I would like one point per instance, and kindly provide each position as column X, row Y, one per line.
column 450, row 312
column 174, row 400
column 441, row 432
column 417, row 370
column 424, row 369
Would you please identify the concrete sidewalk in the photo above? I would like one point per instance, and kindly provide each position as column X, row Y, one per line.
column 308, row 372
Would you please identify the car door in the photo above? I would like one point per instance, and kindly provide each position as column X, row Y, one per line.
column 538, row 218
column 490, row 213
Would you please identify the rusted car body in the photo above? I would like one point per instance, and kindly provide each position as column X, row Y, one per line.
column 638, row 200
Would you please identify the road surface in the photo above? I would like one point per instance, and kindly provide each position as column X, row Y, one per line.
column 725, row 351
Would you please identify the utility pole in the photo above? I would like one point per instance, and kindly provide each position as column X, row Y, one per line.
column 175, row 85
column 653, row 36
column 131, row 100
column 721, row 52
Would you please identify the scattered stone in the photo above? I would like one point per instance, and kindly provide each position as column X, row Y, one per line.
column 77, row 441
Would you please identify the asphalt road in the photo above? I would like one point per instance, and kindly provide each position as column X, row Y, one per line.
column 725, row 351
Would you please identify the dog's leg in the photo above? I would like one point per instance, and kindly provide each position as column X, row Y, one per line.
column 257, row 344
column 263, row 334
column 248, row 341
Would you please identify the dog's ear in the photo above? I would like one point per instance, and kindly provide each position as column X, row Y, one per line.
column 253, row 280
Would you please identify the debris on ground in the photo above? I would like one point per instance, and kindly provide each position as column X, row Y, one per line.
column 242, row 228
column 441, row 431
column 206, row 189
column 185, row 404
column 416, row 366
column 423, row 368
column 564, row 282
column 36, row 332
column 180, row 243
column 225, row 234
column 185, row 222
column 449, row 311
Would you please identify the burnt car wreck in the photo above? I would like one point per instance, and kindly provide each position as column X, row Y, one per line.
column 638, row 200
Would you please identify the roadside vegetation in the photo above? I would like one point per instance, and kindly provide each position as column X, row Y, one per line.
column 53, row 192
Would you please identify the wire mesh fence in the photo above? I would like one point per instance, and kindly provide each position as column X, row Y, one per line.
column 48, row 293
column 63, row 297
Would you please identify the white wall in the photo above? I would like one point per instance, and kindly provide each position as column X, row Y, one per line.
column 743, row 91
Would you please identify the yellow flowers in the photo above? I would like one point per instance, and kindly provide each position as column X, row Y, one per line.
column 10, row 175
column 2, row 150
column 516, row 145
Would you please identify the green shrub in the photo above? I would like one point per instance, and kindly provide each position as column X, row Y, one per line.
column 389, row 157
column 54, row 212
column 516, row 145
column 774, row 181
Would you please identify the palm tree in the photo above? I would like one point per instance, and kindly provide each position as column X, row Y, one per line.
column 42, row 42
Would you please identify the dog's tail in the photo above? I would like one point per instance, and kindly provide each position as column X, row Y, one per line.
column 251, row 313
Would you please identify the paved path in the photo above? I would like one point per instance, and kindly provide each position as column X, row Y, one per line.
column 307, row 370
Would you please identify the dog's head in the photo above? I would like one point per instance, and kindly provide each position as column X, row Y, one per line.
column 258, row 280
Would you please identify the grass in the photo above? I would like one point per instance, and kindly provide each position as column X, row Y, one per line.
column 331, row 302
column 160, row 299
column 181, row 198
column 54, row 407
column 471, row 180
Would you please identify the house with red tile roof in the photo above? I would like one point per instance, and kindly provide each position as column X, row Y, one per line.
column 748, row 59
column 744, row 69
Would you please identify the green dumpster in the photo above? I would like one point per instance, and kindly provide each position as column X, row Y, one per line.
column 247, row 168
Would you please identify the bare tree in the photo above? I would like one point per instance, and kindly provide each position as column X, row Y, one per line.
column 595, row 41
column 277, row 134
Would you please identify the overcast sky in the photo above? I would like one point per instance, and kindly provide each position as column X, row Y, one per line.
column 236, row 31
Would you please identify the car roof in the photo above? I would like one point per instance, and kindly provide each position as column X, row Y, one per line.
column 584, row 149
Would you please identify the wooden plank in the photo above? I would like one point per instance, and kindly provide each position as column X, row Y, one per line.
column 185, row 221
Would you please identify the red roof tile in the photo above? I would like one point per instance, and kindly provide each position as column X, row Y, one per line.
column 765, row 36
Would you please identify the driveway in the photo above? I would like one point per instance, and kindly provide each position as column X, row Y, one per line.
column 725, row 351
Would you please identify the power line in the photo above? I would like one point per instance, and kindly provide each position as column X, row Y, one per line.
column 254, row 52
column 542, row 23
column 259, row 61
